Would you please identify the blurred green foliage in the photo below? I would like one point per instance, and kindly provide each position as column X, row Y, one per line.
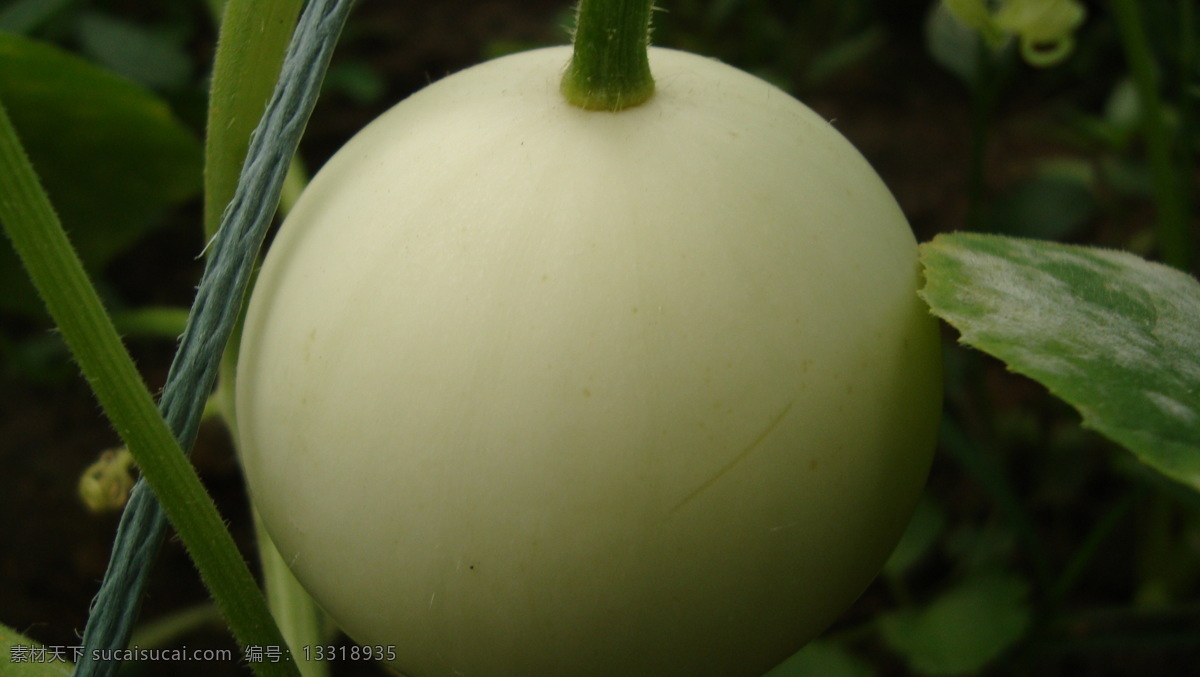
column 113, row 159
column 110, row 110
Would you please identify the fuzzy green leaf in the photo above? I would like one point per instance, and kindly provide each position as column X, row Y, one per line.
column 1112, row 334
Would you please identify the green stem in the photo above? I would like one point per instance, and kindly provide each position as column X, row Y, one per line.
column 1085, row 553
column 1186, row 95
column 1165, row 571
column 38, row 238
column 163, row 322
column 610, row 68
column 1174, row 236
column 982, row 100
column 253, row 39
column 993, row 477
column 300, row 619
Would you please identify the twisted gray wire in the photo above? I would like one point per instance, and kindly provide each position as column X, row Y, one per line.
column 212, row 319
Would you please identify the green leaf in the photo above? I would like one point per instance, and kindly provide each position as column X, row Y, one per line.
column 964, row 629
column 24, row 16
column 358, row 80
column 174, row 627
column 145, row 56
column 843, row 55
column 111, row 155
column 823, row 659
column 976, row 15
column 23, row 657
column 927, row 523
column 1114, row 335
column 954, row 45
column 1047, row 207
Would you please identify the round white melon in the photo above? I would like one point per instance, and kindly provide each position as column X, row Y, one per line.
column 532, row 391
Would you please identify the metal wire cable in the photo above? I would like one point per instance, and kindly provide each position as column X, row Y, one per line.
column 212, row 320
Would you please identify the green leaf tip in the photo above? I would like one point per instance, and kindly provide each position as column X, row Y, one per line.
column 1112, row 334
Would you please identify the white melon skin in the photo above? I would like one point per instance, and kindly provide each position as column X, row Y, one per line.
column 530, row 391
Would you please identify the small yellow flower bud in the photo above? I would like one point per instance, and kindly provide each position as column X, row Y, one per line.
column 106, row 484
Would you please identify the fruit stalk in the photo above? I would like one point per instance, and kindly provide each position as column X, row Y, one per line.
column 609, row 68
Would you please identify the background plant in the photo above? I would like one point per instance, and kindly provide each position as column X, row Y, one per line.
column 1041, row 548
